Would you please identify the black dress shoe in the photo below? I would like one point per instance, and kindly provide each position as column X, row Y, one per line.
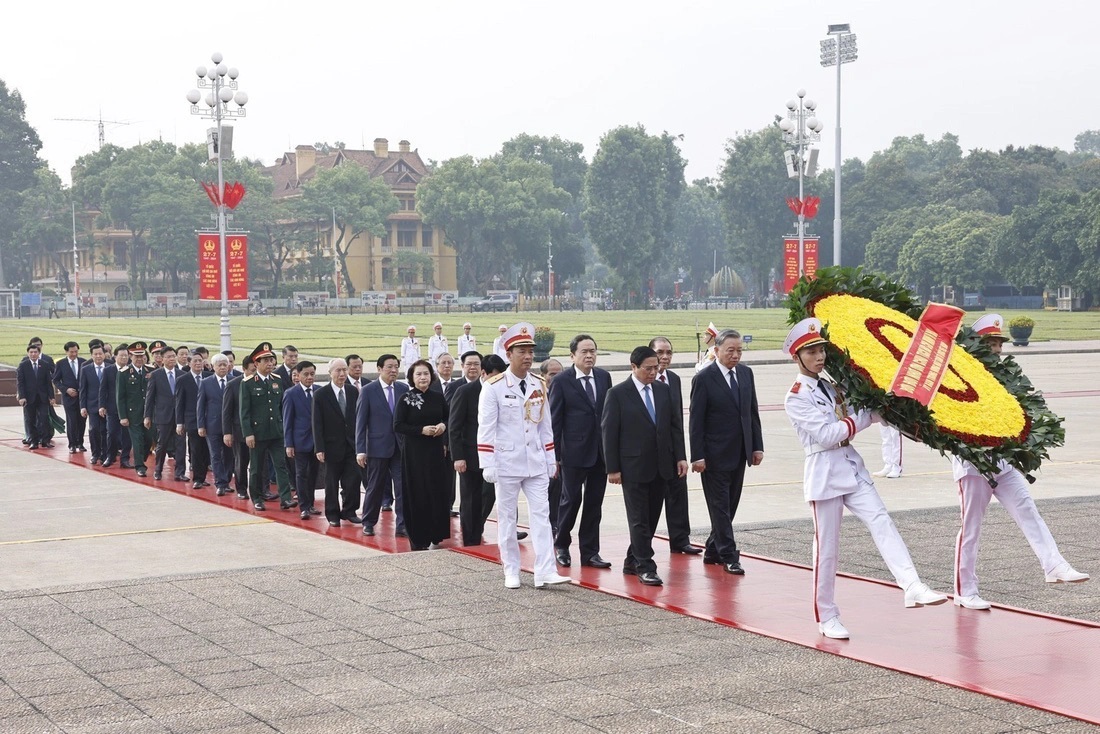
column 353, row 519
column 205, row 484
column 72, row 450
column 259, row 506
column 198, row 485
column 32, row 446
column 48, row 445
column 596, row 562
column 561, row 555
column 734, row 568
column 269, row 497
column 141, row 472
column 629, row 569
column 108, row 463
column 95, row 461
column 712, row 560
column 521, row 534
column 156, row 475
column 334, row 523
column 180, row 478
column 649, row 578
column 454, row 513
column 687, row 550
column 387, row 508
column 242, row 495
column 303, row 515
column 222, row 491
column 288, row 505
column 401, row 532
column 368, row 529
column 313, row 511
column 126, row 465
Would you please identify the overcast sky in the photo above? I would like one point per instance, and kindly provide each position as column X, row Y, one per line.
column 462, row 77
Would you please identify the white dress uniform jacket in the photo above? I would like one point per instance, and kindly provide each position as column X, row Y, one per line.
column 514, row 432
column 410, row 351
column 499, row 350
column 437, row 345
column 466, row 344
column 833, row 468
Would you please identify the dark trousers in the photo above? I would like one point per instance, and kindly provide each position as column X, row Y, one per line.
column 74, row 425
column 221, row 459
column 643, row 510
column 139, row 442
column 199, row 455
column 118, row 439
column 257, row 487
column 165, row 433
column 306, row 468
column 722, row 490
column 676, row 513
column 342, row 489
column 97, row 435
column 379, row 476
column 553, row 495
column 470, row 513
column 36, row 418
column 241, row 459
column 488, row 498
column 582, row 491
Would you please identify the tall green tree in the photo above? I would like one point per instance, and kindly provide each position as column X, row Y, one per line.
column 19, row 146
column 956, row 252
column 362, row 204
column 1042, row 246
column 44, row 216
column 897, row 227
column 699, row 232
column 631, row 192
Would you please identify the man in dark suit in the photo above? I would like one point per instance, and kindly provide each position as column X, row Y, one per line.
column 333, row 426
column 376, row 447
column 462, row 438
column 91, row 376
column 208, row 418
column 284, row 372
column 643, row 442
column 725, row 437
column 35, row 392
column 187, row 423
column 355, row 372
column 160, row 411
column 66, row 377
column 298, row 436
column 576, row 404
column 676, row 496
column 118, row 438
column 232, row 435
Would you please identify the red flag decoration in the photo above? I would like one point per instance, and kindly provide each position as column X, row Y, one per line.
column 232, row 193
column 236, row 260
column 925, row 362
column 794, row 204
column 806, row 207
column 790, row 260
column 211, row 192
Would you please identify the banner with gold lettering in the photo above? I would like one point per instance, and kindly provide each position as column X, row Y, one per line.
column 924, row 364
column 790, row 260
column 236, row 258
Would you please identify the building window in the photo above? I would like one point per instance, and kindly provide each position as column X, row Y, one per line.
column 426, row 238
column 122, row 293
column 408, row 204
column 402, row 167
column 406, row 237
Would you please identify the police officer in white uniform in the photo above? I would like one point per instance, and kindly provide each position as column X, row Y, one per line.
column 708, row 338
column 1011, row 491
column 498, row 343
column 515, row 446
column 835, row 478
column 466, row 342
column 891, row 452
column 437, row 343
column 410, row 349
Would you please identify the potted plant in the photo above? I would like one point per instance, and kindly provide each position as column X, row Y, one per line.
column 1020, row 329
column 544, row 342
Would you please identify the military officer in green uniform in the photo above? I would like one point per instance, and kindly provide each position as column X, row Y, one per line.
column 130, row 398
column 262, row 425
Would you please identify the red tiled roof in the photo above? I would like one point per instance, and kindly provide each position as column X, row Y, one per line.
column 388, row 167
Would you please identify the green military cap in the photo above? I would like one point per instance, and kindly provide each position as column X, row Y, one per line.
column 137, row 347
column 263, row 350
column 157, row 346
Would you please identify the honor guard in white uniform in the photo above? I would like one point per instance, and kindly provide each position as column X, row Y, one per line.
column 835, row 478
column 891, row 452
column 708, row 338
column 498, row 343
column 437, row 343
column 515, row 446
column 1011, row 491
column 410, row 349
column 466, row 342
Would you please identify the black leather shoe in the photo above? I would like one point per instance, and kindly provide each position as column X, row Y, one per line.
column 400, row 532
column 712, row 560
column 313, row 511
column 269, row 497
column 562, row 557
column 596, row 562
column 156, row 475
column 126, row 465
column 303, row 515
column 222, row 491
column 108, row 463
column 368, row 529
column 521, row 534
column 141, row 472
column 95, row 461
column 687, row 550
column 334, row 523
column 629, row 569
column 288, row 505
column 180, row 478
column 454, row 513
column 197, row 485
column 734, row 568
column 259, row 506
column 649, row 578
column 32, row 446
column 242, row 495
column 353, row 519
column 387, row 508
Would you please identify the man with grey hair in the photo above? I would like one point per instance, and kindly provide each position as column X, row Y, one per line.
column 726, row 436
column 334, row 407
column 676, row 493
column 209, row 421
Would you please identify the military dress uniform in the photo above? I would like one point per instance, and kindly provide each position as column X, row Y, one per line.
column 835, row 477
column 515, row 442
column 410, row 349
column 437, row 345
column 710, row 355
column 261, row 407
column 130, row 386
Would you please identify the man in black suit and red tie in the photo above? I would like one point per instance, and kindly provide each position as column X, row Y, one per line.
column 643, row 442
column 35, row 392
column 334, row 409
column 725, row 438
column 576, row 404
column 67, row 378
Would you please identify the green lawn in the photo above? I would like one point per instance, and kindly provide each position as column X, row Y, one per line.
column 369, row 335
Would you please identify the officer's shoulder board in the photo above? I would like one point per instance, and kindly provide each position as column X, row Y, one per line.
column 495, row 378
column 124, row 368
column 540, row 378
column 246, row 378
column 796, row 387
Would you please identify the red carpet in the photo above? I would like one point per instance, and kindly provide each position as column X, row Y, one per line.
column 1038, row 660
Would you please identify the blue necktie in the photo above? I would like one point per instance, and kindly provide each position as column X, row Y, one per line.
column 172, row 381
column 649, row 404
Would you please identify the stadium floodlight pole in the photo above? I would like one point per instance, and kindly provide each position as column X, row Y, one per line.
column 800, row 129
column 838, row 51
column 221, row 80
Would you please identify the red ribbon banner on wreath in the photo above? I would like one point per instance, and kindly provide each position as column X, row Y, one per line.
column 925, row 362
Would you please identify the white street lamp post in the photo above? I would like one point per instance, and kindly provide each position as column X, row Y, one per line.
column 800, row 129
column 221, row 80
column 838, row 51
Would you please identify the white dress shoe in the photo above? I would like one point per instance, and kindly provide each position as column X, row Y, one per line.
column 833, row 629
column 971, row 602
column 919, row 595
column 881, row 472
column 894, row 473
column 554, row 578
column 511, row 582
column 1066, row 572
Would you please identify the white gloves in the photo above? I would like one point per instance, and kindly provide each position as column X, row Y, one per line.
column 489, row 475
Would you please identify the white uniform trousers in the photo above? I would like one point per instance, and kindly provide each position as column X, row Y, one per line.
column 1011, row 491
column 891, row 447
column 865, row 504
column 535, row 490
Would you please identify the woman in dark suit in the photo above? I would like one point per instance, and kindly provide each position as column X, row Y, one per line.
column 420, row 420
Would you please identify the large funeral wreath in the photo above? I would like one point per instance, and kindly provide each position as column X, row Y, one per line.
column 985, row 411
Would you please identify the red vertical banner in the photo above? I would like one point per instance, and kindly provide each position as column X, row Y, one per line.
column 790, row 260
column 810, row 256
column 210, row 283
column 236, row 259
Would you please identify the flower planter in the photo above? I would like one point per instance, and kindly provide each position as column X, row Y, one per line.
column 1020, row 335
